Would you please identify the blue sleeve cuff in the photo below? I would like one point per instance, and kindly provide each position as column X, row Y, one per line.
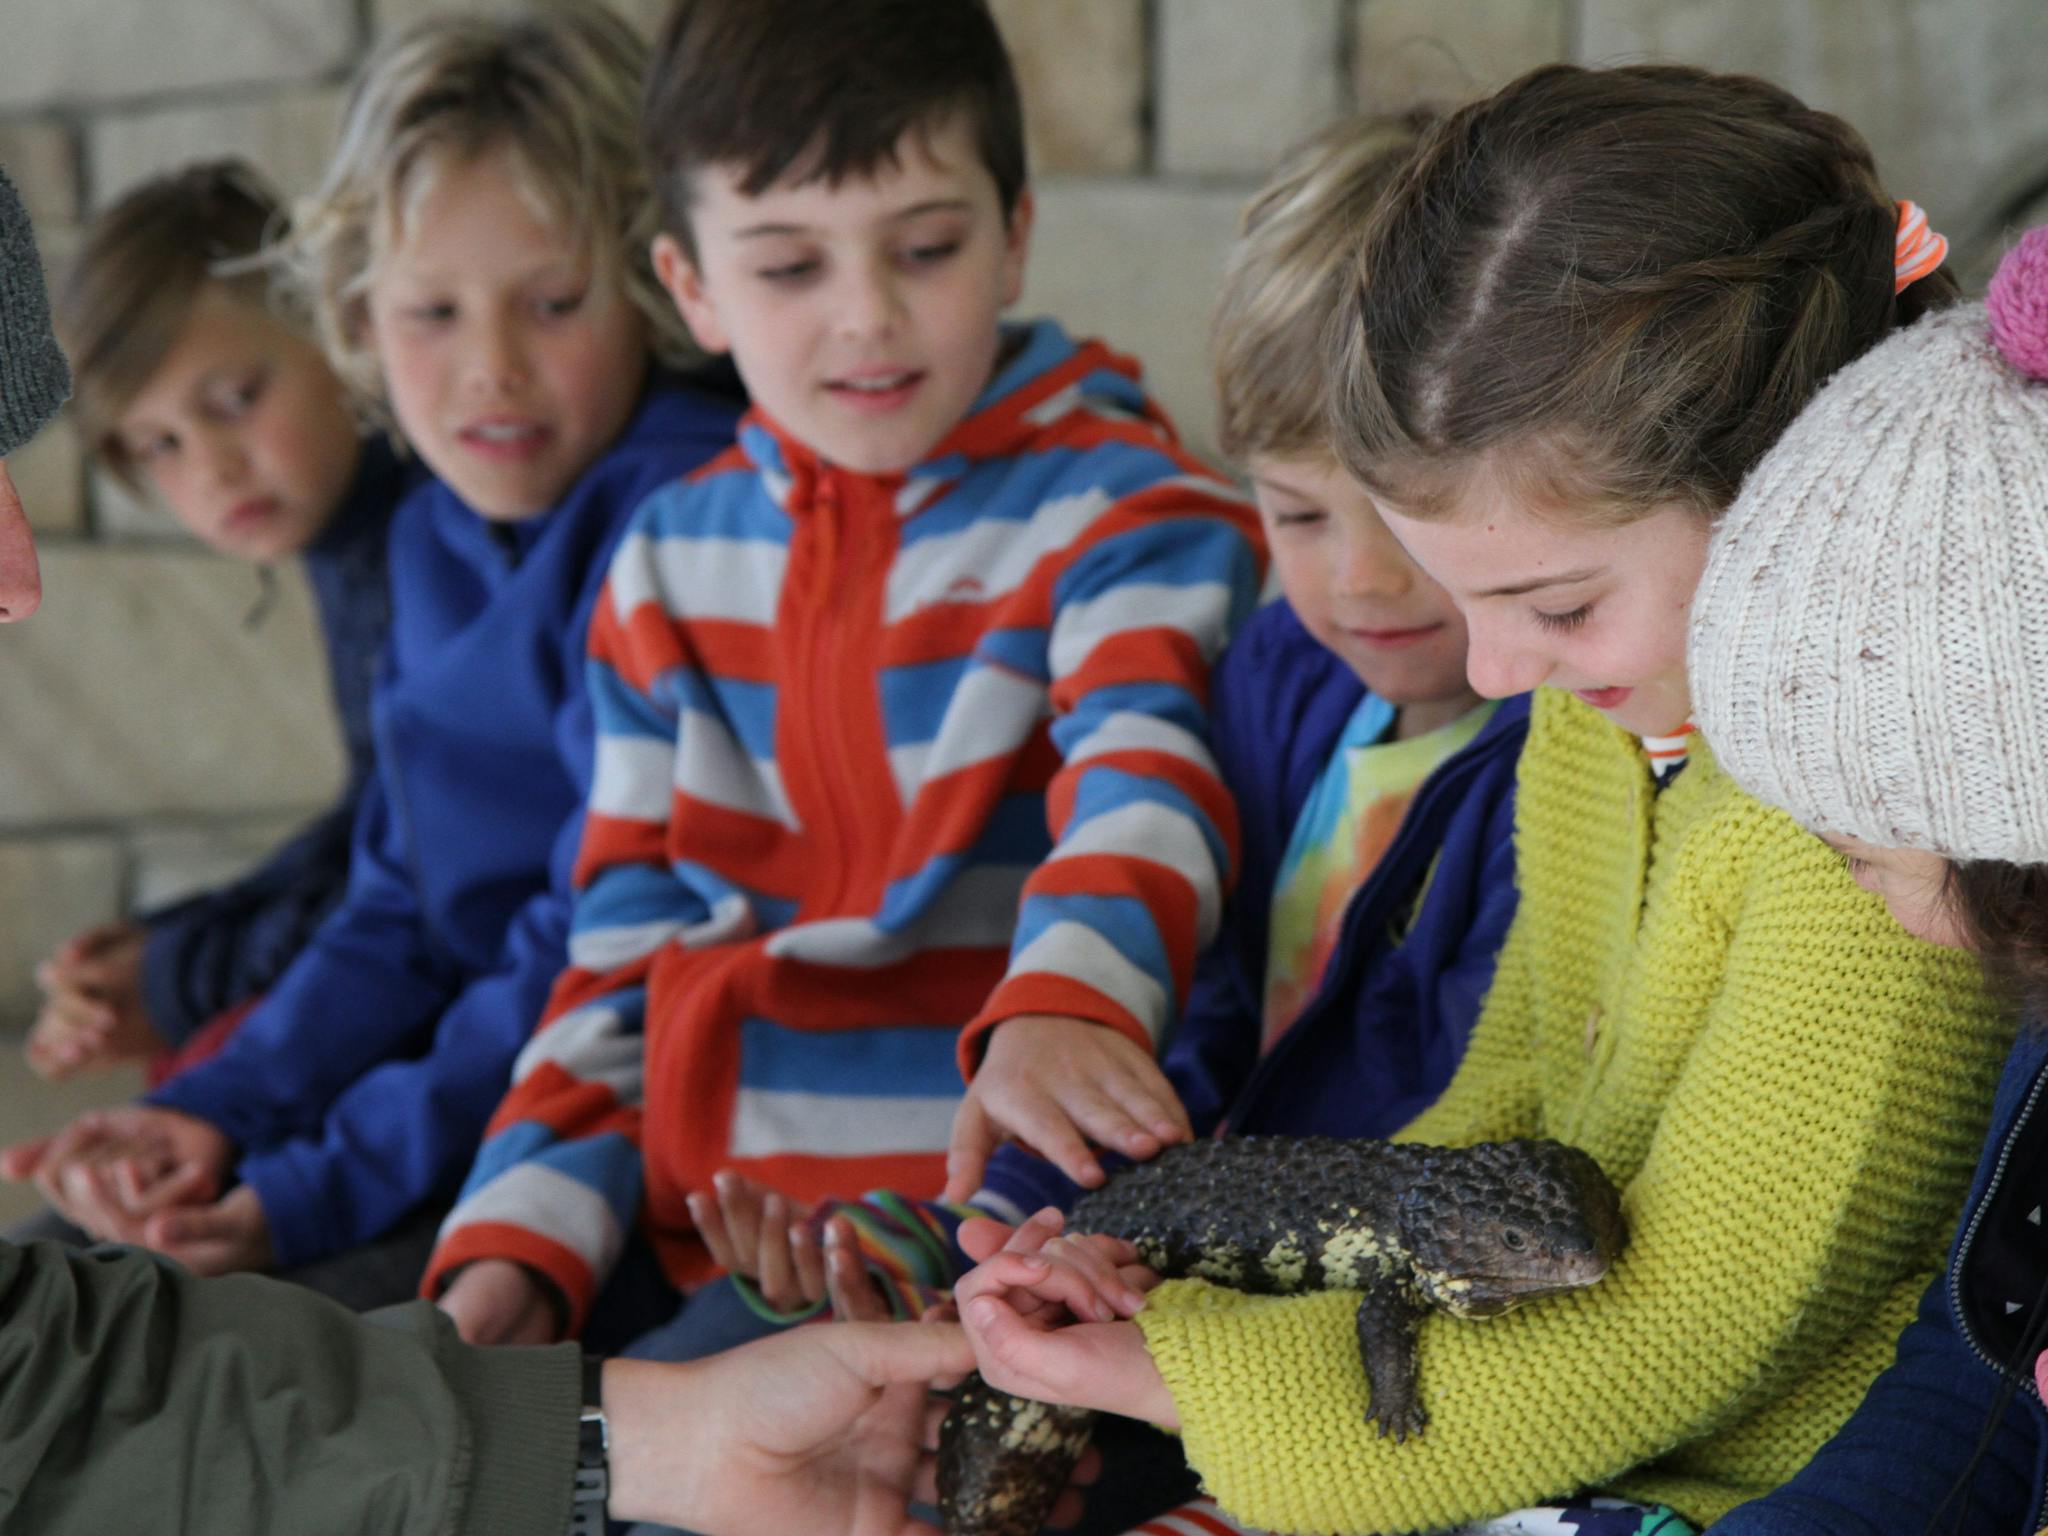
column 188, row 1094
column 1022, row 1182
column 288, row 1183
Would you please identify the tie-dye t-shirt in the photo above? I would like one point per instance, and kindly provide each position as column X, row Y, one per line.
column 1345, row 827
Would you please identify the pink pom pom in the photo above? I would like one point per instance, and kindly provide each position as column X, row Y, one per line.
column 2018, row 303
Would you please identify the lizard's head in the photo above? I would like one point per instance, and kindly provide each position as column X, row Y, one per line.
column 1494, row 1225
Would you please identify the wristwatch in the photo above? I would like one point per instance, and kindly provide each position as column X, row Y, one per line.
column 593, row 1452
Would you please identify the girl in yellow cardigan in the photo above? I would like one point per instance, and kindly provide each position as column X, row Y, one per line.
column 1583, row 314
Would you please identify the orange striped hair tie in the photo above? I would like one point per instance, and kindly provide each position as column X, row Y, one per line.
column 1919, row 250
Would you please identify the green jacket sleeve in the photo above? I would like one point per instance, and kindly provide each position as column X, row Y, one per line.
column 1807, row 1146
column 135, row 1397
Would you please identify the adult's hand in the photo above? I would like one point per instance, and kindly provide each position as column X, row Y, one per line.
column 824, row 1430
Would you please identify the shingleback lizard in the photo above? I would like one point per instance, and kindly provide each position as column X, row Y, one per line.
column 1471, row 1231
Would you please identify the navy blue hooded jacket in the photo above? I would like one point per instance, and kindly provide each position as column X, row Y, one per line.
column 361, row 1085
column 211, row 951
column 1389, row 1024
column 1902, row 1465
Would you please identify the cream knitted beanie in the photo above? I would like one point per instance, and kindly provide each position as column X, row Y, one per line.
column 1870, row 639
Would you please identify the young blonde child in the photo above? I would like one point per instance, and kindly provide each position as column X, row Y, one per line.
column 476, row 260
column 1582, row 314
column 195, row 385
column 1870, row 639
column 1375, row 788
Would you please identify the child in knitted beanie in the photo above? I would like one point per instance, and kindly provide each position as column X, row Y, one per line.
column 1870, row 650
column 1586, row 309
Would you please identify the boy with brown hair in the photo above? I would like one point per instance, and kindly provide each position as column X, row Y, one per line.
column 195, row 385
column 901, row 705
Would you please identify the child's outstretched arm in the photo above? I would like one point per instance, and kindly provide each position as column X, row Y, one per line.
column 764, row 1238
column 1059, row 1084
column 907, row 1249
column 1145, row 837
column 394, row 1113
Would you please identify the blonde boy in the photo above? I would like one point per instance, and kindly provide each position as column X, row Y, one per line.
column 476, row 255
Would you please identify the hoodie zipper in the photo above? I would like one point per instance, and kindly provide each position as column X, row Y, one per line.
column 826, row 722
column 845, row 792
column 2026, row 1385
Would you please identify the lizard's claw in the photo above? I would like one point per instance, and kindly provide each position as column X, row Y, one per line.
column 1397, row 1419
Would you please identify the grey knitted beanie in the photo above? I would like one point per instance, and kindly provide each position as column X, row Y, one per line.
column 1870, row 639
column 34, row 379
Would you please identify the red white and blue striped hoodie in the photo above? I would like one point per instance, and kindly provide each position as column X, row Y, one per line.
column 882, row 761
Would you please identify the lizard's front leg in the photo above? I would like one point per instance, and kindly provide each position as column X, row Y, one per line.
column 1386, row 1347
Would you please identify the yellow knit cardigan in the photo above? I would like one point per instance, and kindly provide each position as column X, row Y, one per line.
column 1790, row 1092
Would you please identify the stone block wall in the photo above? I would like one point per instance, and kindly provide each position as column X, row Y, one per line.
column 154, row 741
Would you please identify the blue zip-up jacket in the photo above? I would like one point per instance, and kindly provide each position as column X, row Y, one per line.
column 361, row 1086
column 211, row 951
column 1388, row 1026
column 1893, row 1467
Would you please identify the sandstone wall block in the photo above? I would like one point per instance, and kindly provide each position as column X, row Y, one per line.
column 40, row 155
column 116, row 50
column 1081, row 69
column 1946, row 91
column 138, row 692
column 1137, row 263
column 1240, row 83
column 286, row 135
column 1440, row 53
